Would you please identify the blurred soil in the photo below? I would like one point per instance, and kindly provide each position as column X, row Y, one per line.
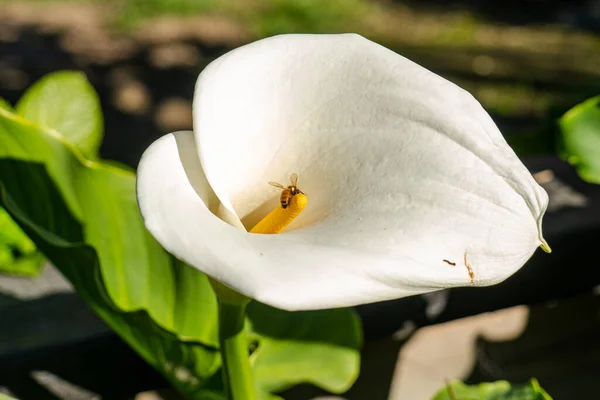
column 525, row 75
column 145, row 78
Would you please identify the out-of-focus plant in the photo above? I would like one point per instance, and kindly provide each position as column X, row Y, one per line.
column 49, row 102
column 579, row 139
column 18, row 254
column 499, row 390
column 83, row 216
column 261, row 18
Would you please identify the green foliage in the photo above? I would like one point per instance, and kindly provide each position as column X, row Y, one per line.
column 308, row 16
column 66, row 102
column 137, row 272
column 304, row 347
column 83, row 215
column 61, row 237
column 263, row 18
column 5, row 397
column 500, row 390
column 18, row 254
column 579, row 140
column 133, row 12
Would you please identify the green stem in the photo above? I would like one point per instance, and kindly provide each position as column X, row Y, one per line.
column 237, row 375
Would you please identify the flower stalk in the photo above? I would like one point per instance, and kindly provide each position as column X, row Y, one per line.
column 237, row 374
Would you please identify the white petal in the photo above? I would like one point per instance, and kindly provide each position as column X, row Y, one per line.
column 396, row 161
column 384, row 252
column 356, row 121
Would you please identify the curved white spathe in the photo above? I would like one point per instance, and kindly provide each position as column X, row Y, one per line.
column 405, row 174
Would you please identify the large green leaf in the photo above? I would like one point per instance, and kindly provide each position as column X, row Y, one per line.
column 65, row 101
column 579, row 140
column 188, row 365
column 317, row 347
column 18, row 254
column 500, row 390
column 137, row 272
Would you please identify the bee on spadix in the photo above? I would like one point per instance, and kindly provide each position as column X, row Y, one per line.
column 288, row 192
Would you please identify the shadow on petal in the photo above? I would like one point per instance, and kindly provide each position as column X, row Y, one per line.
column 188, row 155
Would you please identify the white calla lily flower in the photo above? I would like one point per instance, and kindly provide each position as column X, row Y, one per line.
column 411, row 186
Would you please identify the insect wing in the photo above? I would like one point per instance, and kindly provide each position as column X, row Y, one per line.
column 278, row 185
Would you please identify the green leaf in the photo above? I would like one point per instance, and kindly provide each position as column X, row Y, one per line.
column 188, row 365
column 137, row 272
column 317, row 347
column 6, row 105
column 18, row 254
column 579, row 139
column 66, row 102
column 5, row 397
column 500, row 390
column 20, row 264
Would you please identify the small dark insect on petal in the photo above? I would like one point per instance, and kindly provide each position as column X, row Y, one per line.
column 449, row 262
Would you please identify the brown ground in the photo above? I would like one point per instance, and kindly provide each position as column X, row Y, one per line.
column 526, row 76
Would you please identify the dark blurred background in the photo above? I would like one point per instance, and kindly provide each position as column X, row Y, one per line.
column 527, row 61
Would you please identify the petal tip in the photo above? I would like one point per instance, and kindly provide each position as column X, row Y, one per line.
column 545, row 246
